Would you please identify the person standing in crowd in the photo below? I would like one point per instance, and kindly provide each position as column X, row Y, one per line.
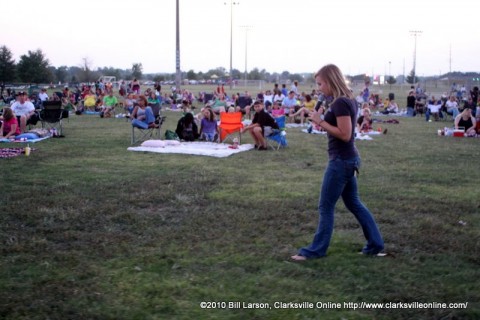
column 411, row 103
column 366, row 92
column 343, row 166
column 474, row 95
column 135, row 86
column 294, row 88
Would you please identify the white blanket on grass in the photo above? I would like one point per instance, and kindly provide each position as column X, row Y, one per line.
column 211, row 149
column 296, row 125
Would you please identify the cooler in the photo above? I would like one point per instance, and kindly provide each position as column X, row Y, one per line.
column 460, row 132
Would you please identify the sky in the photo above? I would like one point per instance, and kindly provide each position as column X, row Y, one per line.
column 369, row 36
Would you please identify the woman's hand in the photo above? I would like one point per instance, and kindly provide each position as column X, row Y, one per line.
column 316, row 117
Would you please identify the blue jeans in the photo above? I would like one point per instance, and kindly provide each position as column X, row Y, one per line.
column 209, row 136
column 410, row 112
column 149, row 118
column 454, row 112
column 339, row 180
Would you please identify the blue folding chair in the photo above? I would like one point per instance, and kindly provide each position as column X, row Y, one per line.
column 278, row 137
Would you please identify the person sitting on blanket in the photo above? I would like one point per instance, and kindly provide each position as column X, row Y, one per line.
column 109, row 103
column 391, row 107
column 306, row 109
column 99, row 106
column 24, row 110
column 208, row 126
column 9, row 127
column 142, row 115
column 89, row 101
column 187, row 129
column 364, row 122
column 365, row 105
column 261, row 126
column 467, row 121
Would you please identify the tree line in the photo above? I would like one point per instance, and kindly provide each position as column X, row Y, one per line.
column 34, row 67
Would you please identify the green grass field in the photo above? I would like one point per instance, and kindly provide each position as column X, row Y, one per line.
column 90, row 230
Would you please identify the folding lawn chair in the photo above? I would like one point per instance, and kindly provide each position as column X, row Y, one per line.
column 149, row 133
column 230, row 125
column 278, row 137
column 51, row 115
column 207, row 97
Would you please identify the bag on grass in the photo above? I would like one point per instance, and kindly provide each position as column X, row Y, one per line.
column 170, row 135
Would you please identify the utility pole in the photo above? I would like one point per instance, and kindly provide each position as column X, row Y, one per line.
column 231, row 40
column 415, row 33
column 390, row 74
column 178, row 74
column 450, row 60
column 246, row 52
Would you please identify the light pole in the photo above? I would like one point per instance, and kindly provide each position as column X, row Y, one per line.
column 178, row 74
column 231, row 40
column 390, row 74
column 415, row 33
column 246, row 52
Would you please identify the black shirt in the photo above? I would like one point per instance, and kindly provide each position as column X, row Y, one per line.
column 411, row 102
column 338, row 148
column 264, row 119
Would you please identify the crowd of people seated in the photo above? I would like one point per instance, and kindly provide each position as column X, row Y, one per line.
column 279, row 101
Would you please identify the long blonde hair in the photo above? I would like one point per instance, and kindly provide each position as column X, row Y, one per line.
column 332, row 75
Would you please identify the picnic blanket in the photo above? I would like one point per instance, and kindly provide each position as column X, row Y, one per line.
column 31, row 136
column 296, row 125
column 12, row 152
column 402, row 113
column 25, row 141
column 211, row 149
column 92, row 112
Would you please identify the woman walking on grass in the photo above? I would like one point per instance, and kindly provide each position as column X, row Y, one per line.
column 344, row 162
